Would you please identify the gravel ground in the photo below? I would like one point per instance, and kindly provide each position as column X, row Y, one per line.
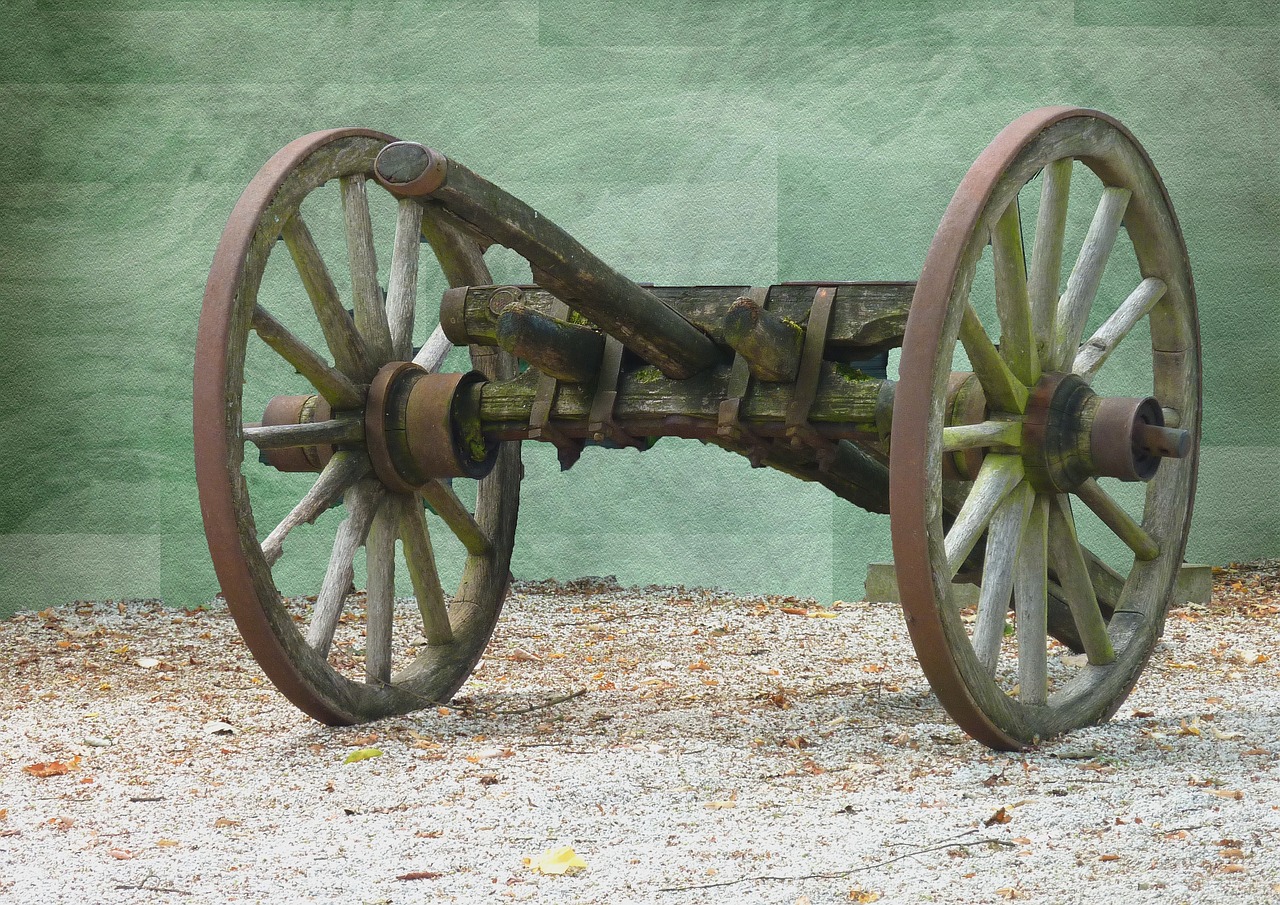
column 689, row 746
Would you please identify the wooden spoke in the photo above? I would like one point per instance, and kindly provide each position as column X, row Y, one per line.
column 283, row 436
column 996, row 479
column 1004, row 391
column 983, row 434
column 1046, row 250
column 380, row 564
column 433, row 352
column 460, row 255
column 366, row 295
column 1017, row 341
column 1069, row 564
column 1003, row 541
column 1094, row 353
column 402, row 288
column 340, row 391
column 1120, row 522
column 1082, row 285
column 1030, row 599
column 454, row 514
column 342, row 471
column 349, row 351
column 362, row 502
column 421, row 560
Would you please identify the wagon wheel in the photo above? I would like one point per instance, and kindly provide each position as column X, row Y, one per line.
column 1037, row 439
column 316, row 421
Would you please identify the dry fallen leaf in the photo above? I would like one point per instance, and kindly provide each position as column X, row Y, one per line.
column 1109, row 857
column 1000, row 816
column 361, row 754
column 858, row 894
column 225, row 821
column 120, row 854
column 557, row 861
column 166, row 842
column 420, row 875
column 52, row 767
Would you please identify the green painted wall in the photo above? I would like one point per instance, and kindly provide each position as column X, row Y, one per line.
column 684, row 142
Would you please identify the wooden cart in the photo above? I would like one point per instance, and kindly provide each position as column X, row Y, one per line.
column 1004, row 422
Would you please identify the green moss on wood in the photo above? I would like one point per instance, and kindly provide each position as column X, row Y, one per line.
column 850, row 373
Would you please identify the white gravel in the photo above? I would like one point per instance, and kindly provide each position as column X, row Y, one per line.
column 717, row 740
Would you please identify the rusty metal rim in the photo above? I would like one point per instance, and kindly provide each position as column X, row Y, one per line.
column 909, row 487
column 212, row 449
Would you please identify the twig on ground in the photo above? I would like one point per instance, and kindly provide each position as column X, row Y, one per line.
column 528, row 708
column 611, row 617
column 842, row 874
column 146, row 886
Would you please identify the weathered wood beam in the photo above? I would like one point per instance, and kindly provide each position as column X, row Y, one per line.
column 619, row 306
column 844, row 398
column 866, row 318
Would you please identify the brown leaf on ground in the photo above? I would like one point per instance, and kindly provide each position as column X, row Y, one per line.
column 1000, row 816
column 52, row 767
column 420, row 875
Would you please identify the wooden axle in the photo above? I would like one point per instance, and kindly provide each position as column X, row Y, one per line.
column 845, row 406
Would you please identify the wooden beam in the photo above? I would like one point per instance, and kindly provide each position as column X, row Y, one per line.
column 844, row 397
column 617, row 305
column 866, row 318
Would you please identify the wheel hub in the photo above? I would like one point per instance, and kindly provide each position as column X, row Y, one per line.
column 420, row 426
column 1071, row 434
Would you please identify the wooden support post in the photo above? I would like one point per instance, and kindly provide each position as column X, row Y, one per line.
column 566, row 351
column 770, row 344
